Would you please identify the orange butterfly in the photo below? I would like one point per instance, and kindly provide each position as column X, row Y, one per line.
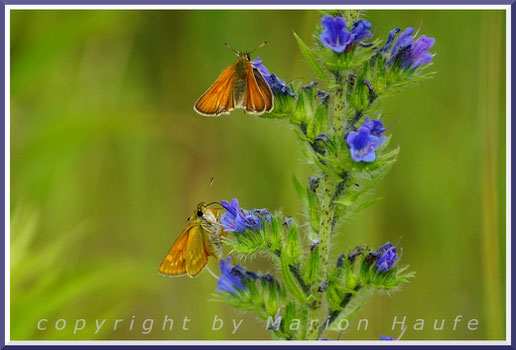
column 241, row 85
column 201, row 238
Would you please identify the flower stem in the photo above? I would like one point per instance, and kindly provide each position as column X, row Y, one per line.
column 339, row 106
column 325, row 228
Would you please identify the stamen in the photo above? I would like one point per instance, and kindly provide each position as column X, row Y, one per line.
column 212, row 273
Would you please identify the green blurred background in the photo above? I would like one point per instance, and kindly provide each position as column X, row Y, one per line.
column 108, row 159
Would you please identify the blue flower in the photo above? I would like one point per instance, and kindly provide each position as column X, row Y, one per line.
column 233, row 277
column 387, row 257
column 263, row 213
column 407, row 52
column 375, row 126
column 237, row 220
column 386, row 338
column 229, row 219
column 277, row 85
column 389, row 41
column 335, row 34
column 361, row 31
column 363, row 144
column 419, row 52
column 228, row 281
column 258, row 64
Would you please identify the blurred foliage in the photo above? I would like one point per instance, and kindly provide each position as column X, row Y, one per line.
column 108, row 159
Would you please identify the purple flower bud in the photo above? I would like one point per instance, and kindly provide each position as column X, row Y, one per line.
column 277, row 85
column 375, row 126
column 419, row 52
column 389, row 41
column 314, row 183
column 229, row 281
column 388, row 257
column 309, row 86
column 406, row 52
column 323, row 96
column 258, row 64
column 361, row 30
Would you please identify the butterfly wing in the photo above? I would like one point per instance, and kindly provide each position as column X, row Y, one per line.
column 254, row 102
column 218, row 99
column 265, row 90
column 197, row 251
column 174, row 263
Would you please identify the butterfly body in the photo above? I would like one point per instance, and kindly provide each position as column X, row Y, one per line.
column 240, row 86
column 201, row 238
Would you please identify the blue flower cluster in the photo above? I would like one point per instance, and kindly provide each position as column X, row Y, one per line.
column 278, row 86
column 336, row 35
column 387, row 257
column 233, row 277
column 364, row 142
column 237, row 220
column 406, row 51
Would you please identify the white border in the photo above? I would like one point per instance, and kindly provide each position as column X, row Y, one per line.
column 8, row 8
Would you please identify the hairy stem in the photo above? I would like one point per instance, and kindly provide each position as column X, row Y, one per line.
column 339, row 106
column 325, row 227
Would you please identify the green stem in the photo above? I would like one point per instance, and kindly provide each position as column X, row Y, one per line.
column 339, row 106
column 325, row 227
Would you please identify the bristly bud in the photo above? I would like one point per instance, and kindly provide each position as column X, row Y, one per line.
column 323, row 96
column 319, row 143
column 314, row 183
column 322, row 137
column 309, row 86
column 371, row 257
column 323, row 286
column 340, row 260
column 288, row 221
column 355, row 253
column 372, row 94
column 270, row 279
column 314, row 244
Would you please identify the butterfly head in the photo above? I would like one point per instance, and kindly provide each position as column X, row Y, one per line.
column 201, row 209
column 245, row 54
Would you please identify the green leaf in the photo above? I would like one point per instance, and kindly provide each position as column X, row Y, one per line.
column 300, row 190
column 290, row 282
column 312, row 61
column 310, row 270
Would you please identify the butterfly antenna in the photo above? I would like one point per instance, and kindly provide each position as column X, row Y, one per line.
column 259, row 46
column 232, row 49
column 208, row 188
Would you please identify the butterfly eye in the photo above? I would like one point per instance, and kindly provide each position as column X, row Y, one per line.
column 199, row 213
